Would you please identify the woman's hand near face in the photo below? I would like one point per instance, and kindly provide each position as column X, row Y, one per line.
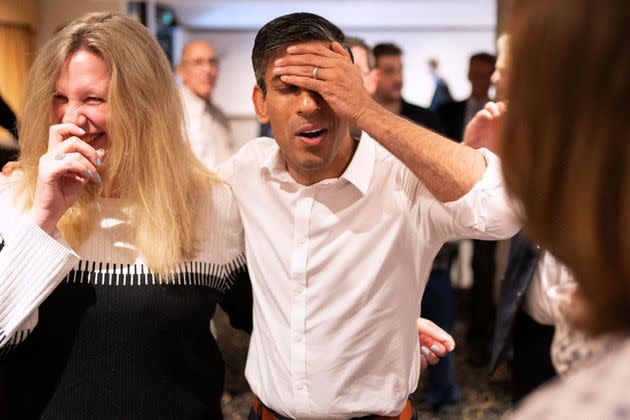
column 63, row 172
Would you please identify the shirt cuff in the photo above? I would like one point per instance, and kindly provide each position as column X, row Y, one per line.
column 485, row 199
column 32, row 264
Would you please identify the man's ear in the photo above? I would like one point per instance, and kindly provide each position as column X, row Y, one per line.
column 260, row 105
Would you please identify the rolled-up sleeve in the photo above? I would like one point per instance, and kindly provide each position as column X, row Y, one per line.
column 486, row 209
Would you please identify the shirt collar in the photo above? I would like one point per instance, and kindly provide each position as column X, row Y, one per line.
column 358, row 173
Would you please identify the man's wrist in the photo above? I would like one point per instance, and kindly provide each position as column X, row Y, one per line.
column 367, row 114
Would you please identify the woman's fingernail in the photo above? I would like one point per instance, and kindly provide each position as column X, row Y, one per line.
column 90, row 174
column 99, row 162
column 425, row 351
column 278, row 62
column 436, row 348
column 82, row 131
column 444, row 337
column 291, row 49
column 98, row 178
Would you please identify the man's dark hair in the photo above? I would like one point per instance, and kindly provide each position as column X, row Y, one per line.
column 386, row 49
column 287, row 30
column 483, row 56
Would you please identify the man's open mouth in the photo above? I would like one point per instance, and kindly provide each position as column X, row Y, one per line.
column 312, row 133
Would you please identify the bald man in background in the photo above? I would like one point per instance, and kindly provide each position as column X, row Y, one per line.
column 207, row 126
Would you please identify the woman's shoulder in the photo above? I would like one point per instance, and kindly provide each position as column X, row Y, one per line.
column 220, row 200
column 221, row 230
column 598, row 391
column 219, row 210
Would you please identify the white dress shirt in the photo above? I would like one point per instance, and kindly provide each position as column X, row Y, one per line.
column 549, row 289
column 207, row 128
column 338, row 269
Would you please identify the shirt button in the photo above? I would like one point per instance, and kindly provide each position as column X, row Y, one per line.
column 300, row 387
column 300, row 339
column 299, row 290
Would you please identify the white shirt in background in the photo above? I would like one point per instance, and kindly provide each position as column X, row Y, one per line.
column 208, row 130
column 549, row 288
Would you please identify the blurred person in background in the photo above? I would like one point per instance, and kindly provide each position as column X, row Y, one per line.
column 207, row 126
column 388, row 91
column 456, row 115
column 363, row 58
column 442, row 94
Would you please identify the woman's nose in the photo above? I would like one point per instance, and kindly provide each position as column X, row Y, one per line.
column 73, row 114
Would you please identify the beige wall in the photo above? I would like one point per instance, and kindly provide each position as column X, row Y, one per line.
column 53, row 13
column 45, row 16
column 19, row 11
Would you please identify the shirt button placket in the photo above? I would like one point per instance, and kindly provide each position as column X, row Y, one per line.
column 299, row 261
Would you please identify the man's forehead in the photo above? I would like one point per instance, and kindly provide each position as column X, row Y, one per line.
column 198, row 49
column 282, row 51
column 389, row 61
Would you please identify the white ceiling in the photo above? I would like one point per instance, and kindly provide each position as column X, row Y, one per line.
column 397, row 14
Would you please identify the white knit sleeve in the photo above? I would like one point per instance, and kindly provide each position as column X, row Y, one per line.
column 32, row 264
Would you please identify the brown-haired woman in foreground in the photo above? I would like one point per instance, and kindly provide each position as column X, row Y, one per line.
column 567, row 159
column 119, row 329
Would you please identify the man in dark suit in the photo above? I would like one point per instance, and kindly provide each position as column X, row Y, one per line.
column 456, row 115
column 389, row 88
column 531, row 340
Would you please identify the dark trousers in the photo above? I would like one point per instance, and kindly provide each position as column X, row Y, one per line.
column 482, row 308
column 531, row 363
column 438, row 305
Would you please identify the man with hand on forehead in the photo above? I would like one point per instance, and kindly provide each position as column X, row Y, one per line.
column 353, row 230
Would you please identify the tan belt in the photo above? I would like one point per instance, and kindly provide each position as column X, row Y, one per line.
column 408, row 412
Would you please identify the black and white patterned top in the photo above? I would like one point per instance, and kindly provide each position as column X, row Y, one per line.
column 95, row 334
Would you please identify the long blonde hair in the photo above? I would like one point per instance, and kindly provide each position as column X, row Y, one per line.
column 149, row 162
